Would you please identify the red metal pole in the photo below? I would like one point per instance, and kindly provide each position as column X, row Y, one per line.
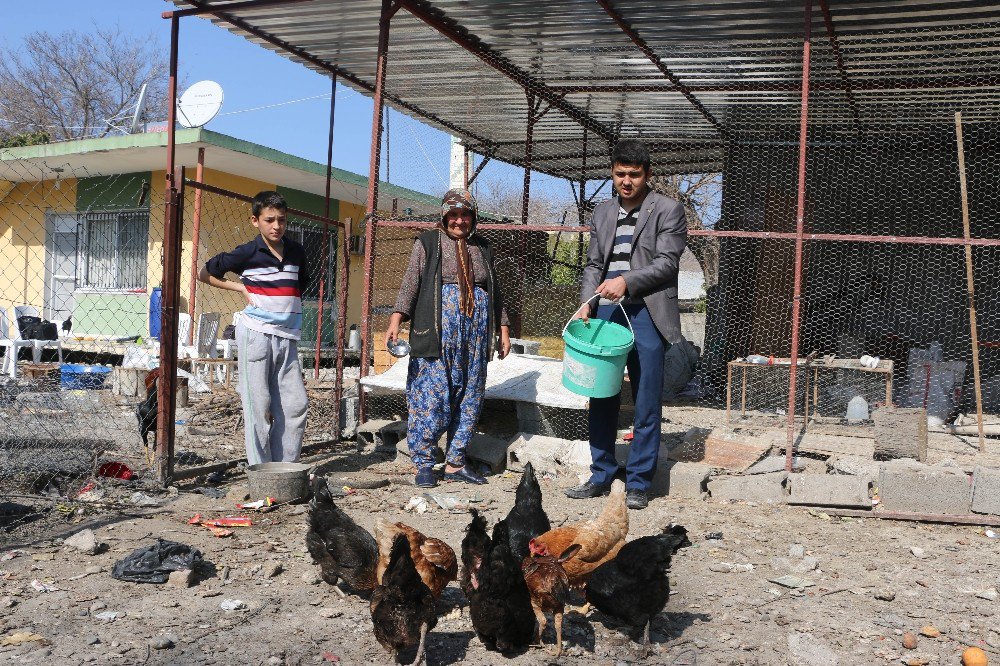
column 163, row 459
column 167, row 385
column 799, row 228
column 371, row 207
column 326, row 229
column 199, row 176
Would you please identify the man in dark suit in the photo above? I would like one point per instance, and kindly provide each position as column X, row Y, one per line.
column 636, row 241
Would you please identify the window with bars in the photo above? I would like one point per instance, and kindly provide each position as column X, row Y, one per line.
column 311, row 238
column 113, row 250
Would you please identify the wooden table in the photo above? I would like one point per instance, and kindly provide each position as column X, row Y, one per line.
column 810, row 375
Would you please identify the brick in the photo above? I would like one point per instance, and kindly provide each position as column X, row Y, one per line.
column 986, row 490
column 909, row 486
column 678, row 479
column 769, row 488
column 771, row 464
column 380, row 435
column 722, row 447
column 830, row 490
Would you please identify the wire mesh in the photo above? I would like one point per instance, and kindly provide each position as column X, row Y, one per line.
column 81, row 255
column 883, row 270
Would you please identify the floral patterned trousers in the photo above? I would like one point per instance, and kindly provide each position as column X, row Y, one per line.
column 446, row 394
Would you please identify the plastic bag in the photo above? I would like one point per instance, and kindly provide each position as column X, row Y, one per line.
column 153, row 564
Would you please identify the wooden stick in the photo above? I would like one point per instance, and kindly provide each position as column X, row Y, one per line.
column 969, row 279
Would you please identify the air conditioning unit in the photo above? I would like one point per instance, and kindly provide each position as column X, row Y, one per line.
column 357, row 244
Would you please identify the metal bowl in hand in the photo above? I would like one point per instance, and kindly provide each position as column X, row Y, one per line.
column 399, row 348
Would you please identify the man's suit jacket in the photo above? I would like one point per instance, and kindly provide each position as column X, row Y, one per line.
column 660, row 238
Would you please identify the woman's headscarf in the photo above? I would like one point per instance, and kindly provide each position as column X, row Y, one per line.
column 461, row 199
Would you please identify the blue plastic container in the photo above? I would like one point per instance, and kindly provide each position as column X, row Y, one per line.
column 73, row 377
column 155, row 312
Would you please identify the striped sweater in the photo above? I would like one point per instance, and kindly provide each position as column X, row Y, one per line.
column 621, row 253
column 275, row 285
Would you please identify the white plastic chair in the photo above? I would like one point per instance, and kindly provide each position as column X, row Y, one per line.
column 205, row 338
column 228, row 347
column 11, row 345
column 37, row 345
column 183, row 333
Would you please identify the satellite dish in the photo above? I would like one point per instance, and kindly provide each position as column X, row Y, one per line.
column 140, row 108
column 199, row 104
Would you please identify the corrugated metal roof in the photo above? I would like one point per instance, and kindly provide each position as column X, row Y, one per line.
column 908, row 66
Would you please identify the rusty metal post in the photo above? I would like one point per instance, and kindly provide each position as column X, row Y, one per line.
column 326, row 228
column 199, row 177
column 166, row 386
column 371, row 207
column 343, row 278
column 465, row 168
column 800, row 206
column 528, row 149
column 163, row 457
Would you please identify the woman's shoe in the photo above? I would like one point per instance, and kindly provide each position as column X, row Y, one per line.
column 466, row 475
column 426, row 478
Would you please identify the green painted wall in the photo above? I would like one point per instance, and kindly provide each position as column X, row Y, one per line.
column 112, row 192
column 118, row 315
column 309, row 311
column 311, row 203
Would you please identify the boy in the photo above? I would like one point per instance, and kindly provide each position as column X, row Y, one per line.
column 273, row 275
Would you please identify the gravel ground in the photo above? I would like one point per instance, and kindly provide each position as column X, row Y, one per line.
column 873, row 581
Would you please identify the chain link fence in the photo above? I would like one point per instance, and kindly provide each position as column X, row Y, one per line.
column 860, row 251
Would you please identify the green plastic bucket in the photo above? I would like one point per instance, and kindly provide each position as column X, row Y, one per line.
column 594, row 360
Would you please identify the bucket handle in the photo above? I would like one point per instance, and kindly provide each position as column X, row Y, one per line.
column 618, row 303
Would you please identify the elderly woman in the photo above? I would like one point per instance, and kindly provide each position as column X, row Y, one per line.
column 452, row 299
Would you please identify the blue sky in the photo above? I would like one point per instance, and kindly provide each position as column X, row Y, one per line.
column 252, row 77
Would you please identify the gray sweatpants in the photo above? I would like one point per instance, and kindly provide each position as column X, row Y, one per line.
column 273, row 394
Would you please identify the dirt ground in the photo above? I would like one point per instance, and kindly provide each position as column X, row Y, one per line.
column 873, row 580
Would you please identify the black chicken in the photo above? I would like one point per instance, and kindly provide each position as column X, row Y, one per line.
column 526, row 519
column 634, row 586
column 343, row 549
column 146, row 410
column 499, row 603
column 402, row 606
column 67, row 325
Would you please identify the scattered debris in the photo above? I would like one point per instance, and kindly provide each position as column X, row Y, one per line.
column 232, row 605
column 713, row 536
column 43, row 587
column 153, row 563
column 84, row 541
column 142, row 499
column 21, row 637
column 910, row 641
column 417, row 504
column 107, row 616
column 214, row 493
column 182, row 578
column 793, row 582
column 116, row 470
column 11, row 554
column 930, row 631
column 258, row 505
column 730, row 567
column 885, row 595
column 161, row 643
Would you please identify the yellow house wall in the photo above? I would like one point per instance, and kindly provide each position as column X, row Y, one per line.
column 225, row 223
column 22, row 237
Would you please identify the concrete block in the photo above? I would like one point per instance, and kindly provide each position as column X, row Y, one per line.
column 830, row 490
column 721, row 447
column 909, row 486
column 853, row 466
column 349, row 417
column 771, row 464
column 488, row 450
column 771, row 488
column 986, row 490
column 521, row 346
column 681, row 479
column 548, row 453
column 380, row 435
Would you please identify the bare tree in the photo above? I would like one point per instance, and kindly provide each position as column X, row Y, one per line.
column 701, row 196
column 79, row 83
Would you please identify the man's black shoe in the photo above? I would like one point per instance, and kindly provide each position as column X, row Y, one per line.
column 636, row 499
column 587, row 490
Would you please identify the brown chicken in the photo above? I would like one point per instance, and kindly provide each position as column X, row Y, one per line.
column 600, row 539
column 548, row 586
column 434, row 559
